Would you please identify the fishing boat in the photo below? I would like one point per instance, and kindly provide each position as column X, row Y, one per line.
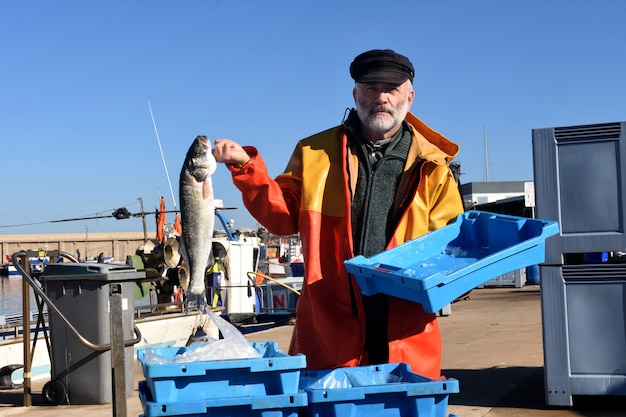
column 8, row 270
column 37, row 265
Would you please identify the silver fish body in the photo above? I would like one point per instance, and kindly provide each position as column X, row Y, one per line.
column 197, row 212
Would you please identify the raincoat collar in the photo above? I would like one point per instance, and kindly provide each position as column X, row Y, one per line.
column 429, row 144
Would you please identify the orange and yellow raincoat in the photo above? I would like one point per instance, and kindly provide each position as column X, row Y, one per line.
column 313, row 197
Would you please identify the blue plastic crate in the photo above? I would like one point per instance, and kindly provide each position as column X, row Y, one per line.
column 442, row 265
column 274, row 373
column 284, row 405
column 389, row 390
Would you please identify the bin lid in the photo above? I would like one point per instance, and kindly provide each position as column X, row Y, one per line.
column 90, row 271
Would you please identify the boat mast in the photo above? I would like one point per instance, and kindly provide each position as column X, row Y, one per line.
column 162, row 157
column 486, row 155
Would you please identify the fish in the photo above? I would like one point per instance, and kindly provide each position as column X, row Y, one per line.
column 197, row 212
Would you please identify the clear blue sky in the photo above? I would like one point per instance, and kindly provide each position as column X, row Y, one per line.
column 76, row 77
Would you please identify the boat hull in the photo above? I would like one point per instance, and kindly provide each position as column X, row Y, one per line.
column 168, row 330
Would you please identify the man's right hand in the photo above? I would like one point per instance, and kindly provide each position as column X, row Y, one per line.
column 229, row 152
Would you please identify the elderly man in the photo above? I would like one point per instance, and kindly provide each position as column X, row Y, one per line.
column 377, row 180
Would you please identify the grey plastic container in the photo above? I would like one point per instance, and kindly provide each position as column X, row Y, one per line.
column 580, row 182
column 583, row 331
column 81, row 292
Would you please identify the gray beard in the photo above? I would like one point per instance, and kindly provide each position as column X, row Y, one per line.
column 379, row 122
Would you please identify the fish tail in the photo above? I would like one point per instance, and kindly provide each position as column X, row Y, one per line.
column 196, row 302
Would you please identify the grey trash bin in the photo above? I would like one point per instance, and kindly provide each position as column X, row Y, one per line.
column 81, row 292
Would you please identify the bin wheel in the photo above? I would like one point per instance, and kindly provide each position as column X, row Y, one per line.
column 54, row 392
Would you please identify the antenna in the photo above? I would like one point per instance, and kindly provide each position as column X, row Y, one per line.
column 162, row 157
column 486, row 155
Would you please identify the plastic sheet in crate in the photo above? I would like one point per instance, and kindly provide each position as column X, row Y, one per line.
column 442, row 265
column 274, row 373
column 284, row 405
column 389, row 390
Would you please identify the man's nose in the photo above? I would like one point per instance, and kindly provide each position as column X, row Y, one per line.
column 382, row 98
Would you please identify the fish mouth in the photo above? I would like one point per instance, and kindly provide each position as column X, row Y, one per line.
column 204, row 141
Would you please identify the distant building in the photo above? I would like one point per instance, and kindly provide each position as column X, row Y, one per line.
column 504, row 197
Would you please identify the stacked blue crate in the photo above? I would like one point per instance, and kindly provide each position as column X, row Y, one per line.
column 389, row 390
column 287, row 405
column 257, row 387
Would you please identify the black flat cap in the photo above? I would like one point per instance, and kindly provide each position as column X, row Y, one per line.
column 381, row 66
